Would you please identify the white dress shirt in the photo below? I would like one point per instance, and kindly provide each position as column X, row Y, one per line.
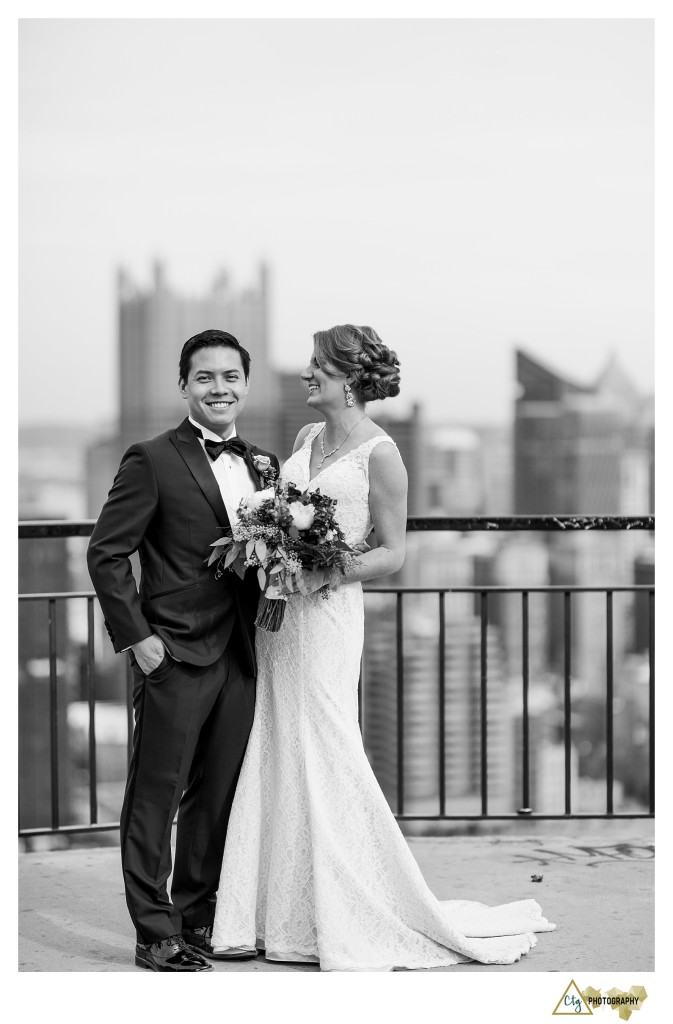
column 231, row 472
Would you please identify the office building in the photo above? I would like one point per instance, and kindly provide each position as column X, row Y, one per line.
column 585, row 450
column 153, row 326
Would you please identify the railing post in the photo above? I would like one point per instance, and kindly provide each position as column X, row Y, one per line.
column 567, row 636
column 651, row 707
column 525, row 725
column 91, row 695
column 53, row 715
column 609, row 704
column 399, row 622
column 484, row 703
column 442, row 705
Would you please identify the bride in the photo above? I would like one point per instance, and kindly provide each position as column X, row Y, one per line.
column 315, row 867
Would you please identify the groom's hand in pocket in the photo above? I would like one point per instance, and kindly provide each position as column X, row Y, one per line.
column 149, row 653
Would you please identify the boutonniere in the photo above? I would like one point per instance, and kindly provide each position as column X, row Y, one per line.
column 262, row 464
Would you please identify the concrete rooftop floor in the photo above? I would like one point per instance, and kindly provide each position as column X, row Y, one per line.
column 598, row 889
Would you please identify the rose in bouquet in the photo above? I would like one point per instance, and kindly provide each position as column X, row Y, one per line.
column 292, row 538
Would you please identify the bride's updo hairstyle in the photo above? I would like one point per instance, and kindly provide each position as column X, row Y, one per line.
column 374, row 369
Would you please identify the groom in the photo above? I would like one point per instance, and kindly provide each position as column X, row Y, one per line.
column 190, row 639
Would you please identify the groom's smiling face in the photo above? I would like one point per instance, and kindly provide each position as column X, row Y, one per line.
column 216, row 388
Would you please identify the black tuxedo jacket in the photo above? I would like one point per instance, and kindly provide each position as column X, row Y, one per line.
column 165, row 504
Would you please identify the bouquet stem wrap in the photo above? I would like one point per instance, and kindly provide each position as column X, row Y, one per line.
column 270, row 614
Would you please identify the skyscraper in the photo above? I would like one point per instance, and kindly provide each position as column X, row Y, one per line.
column 408, row 434
column 579, row 448
column 585, row 450
column 153, row 326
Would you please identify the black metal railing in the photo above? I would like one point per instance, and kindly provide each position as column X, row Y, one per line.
column 83, row 528
column 483, row 593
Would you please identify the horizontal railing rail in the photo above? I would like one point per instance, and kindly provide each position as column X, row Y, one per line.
column 415, row 524
column 83, row 528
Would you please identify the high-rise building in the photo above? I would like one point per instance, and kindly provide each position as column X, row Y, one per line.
column 468, row 470
column 455, row 478
column 408, row 433
column 579, row 449
column 497, row 468
column 585, row 450
column 154, row 325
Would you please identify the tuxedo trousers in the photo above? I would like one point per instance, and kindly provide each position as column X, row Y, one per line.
column 191, row 728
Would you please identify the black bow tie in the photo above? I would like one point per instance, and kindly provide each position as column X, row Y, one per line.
column 235, row 445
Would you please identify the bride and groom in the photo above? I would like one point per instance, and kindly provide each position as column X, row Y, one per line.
column 314, row 868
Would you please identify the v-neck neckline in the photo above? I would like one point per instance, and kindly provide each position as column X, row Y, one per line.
column 309, row 446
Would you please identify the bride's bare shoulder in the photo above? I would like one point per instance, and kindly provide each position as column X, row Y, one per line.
column 384, row 456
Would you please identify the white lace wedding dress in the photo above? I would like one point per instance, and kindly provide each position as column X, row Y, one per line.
column 315, row 867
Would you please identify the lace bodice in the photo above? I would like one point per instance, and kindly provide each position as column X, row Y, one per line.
column 346, row 479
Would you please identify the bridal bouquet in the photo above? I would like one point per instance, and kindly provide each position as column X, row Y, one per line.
column 286, row 534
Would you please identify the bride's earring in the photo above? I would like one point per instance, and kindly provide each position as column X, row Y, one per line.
column 350, row 401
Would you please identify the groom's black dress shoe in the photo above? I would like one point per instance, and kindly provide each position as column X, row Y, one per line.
column 201, row 939
column 172, row 954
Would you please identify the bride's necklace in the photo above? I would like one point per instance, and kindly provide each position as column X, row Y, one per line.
column 328, row 455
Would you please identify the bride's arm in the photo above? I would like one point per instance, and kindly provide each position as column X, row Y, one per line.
column 388, row 506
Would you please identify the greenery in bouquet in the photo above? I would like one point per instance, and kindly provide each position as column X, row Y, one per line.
column 293, row 540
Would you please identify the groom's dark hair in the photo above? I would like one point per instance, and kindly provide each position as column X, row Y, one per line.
column 210, row 339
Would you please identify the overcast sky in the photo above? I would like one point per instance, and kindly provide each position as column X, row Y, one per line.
column 462, row 186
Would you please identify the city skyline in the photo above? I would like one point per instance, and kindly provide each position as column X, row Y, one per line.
column 551, row 363
column 575, row 447
column 458, row 193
